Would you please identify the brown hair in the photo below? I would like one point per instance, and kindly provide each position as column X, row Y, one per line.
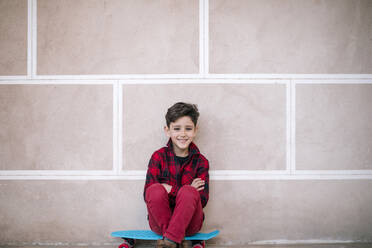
column 182, row 109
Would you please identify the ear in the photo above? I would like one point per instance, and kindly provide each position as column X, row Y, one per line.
column 166, row 130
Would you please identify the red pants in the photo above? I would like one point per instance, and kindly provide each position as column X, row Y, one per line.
column 185, row 219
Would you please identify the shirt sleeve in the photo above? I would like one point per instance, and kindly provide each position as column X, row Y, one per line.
column 153, row 173
column 203, row 173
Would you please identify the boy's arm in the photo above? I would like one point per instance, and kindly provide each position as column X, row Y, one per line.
column 203, row 173
column 153, row 173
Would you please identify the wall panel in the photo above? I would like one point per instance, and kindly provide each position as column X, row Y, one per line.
column 311, row 210
column 333, row 126
column 13, row 37
column 56, row 127
column 69, row 211
column 242, row 126
column 117, row 37
column 287, row 36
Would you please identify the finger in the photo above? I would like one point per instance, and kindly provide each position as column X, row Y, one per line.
column 195, row 185
column 200, row 188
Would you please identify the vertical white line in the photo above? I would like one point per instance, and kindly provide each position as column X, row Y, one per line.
column 120, row 128
column 288, row 126
column 206, row 36
column 201, row 37
column 29, row 38
column 115, row 126
column 34, row 39
column 293, row 127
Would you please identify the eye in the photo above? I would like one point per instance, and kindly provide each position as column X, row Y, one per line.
column 189, row 128
column 176, row 129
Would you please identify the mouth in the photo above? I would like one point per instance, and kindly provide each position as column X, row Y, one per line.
column 182, row 140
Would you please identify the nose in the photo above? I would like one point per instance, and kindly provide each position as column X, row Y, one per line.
column 183, row 132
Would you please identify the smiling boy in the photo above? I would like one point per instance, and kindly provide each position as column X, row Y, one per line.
column 177, row 181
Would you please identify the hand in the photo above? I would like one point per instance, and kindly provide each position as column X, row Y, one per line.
column 167, row 187
column 198, row 184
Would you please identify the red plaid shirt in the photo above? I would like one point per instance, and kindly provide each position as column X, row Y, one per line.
column 163, row 168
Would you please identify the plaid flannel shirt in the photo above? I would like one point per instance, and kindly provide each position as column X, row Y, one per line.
column 164, row 168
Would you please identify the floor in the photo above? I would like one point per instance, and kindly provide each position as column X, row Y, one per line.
column 148, row 245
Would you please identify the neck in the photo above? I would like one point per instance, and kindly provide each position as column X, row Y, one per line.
column 181, row 153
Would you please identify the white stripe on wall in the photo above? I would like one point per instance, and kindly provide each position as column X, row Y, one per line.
column 121, row 125
column 300, row 78
column 289, row 107
column 33, row 70
column 292, row 120
column 29, row 38
column 216, row 175
column 116, row 127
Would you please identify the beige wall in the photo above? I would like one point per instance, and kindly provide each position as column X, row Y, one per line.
column 87, row 211
column 290, row 153
column 59, row 127
column 13, row 38
column 262, row 121
column 117, row 37
column 333, row 127
column 289, row 36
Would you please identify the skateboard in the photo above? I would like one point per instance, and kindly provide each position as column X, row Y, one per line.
column 150, row 235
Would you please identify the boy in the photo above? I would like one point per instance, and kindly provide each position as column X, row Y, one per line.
column 177, row 181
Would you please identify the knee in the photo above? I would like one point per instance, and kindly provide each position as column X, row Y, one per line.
column 188, row 192
column 155, row 192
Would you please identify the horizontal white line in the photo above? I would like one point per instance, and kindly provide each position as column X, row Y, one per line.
column 306, row 241
column 204, row 81
column 3, row 78
column 334, row 81
column 119, row 76
column 291, row 76
column 211, row 172
column 333, row 172
column 61, row 244
column 264, row 242
column 227, row 175
column 56, row 172
column 247, row 172
column 288, row 177
column 192, row 76
column 183, row 81
column 53, row 82
column 149, row 82
column 81, row 177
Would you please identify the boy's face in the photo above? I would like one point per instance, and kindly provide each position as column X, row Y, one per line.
column 182, row 132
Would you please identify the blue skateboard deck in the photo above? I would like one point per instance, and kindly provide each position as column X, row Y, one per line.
column 150, row 235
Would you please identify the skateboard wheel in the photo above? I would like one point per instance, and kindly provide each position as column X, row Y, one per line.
column 200, row 245
column 127, row 243
column 124, row 245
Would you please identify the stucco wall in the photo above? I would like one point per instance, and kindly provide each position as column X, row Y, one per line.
column 284, row 90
